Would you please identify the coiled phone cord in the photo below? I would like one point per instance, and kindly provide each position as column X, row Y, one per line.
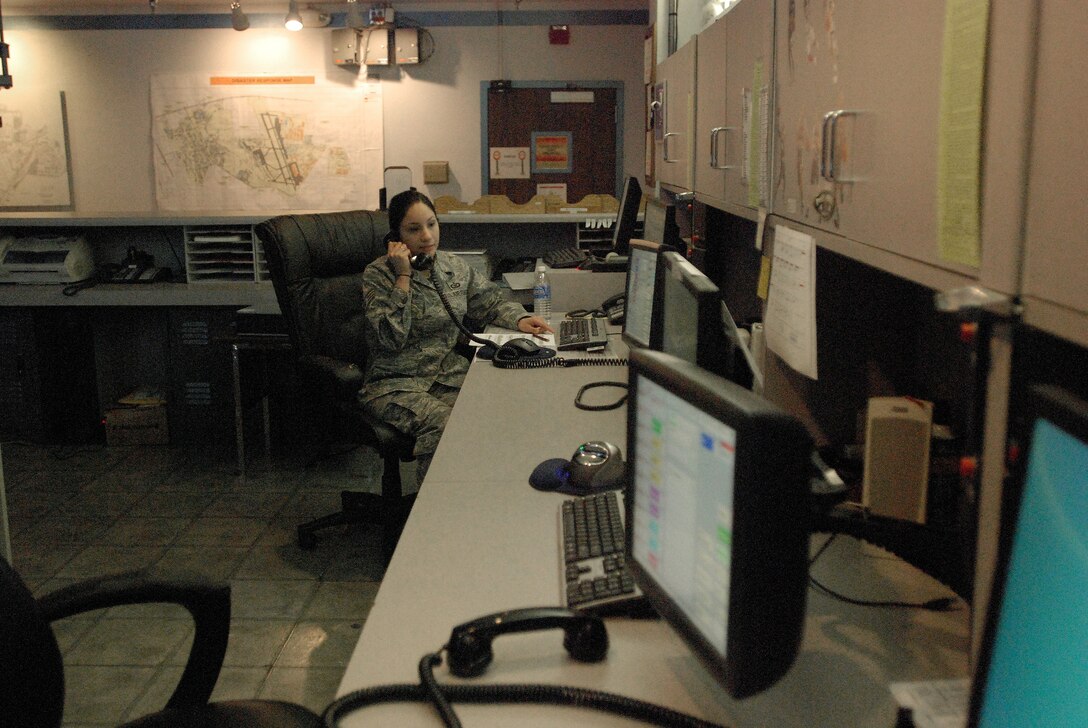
column 439, row 288
column 441, row 696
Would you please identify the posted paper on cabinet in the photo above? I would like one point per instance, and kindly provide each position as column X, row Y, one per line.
column 790, row 325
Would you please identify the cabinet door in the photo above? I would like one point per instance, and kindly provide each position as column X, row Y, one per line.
column 1055, row 282
column 748, row 74
column 712, row 132
column 868, row 173
column 674, row 148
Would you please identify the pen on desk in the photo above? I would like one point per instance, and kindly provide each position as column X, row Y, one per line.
column 538, row 336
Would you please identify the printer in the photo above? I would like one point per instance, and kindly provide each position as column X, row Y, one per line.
column 45, row 260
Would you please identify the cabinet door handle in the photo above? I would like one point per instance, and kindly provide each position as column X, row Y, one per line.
column 714, row 147
column 828, row 142
column 665, row 147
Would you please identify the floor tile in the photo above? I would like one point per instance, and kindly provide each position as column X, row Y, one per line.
column 256, row 642
column 313, row 687
column 342, row 600
column 103, row 693
column 270, row 599
column 296, row 614
column 208, row 531
column 142, row 642
column 325, row 643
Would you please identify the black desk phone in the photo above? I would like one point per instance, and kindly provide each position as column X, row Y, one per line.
column 138, row 267
column 614, row 308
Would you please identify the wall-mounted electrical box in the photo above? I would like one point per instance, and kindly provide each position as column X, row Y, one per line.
column 345, row 47
column 407, row 45
column 375, row 45
column 436, row 172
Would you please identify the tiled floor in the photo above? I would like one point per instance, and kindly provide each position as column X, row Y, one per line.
column 296, row 615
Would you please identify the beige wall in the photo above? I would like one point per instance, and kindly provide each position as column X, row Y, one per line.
column 432, row 111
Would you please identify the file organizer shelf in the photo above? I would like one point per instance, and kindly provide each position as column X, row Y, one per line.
column 224, row 253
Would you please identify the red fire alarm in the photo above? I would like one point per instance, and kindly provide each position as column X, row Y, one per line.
column 559, row 35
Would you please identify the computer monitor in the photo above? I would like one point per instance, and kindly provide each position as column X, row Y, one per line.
column 717, row 513
column 691, row 318
column 1032, row 668
column 640, row 328
column 624, row 228
column 659, row 222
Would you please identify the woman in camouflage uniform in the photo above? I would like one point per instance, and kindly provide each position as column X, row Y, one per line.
column 414, row 371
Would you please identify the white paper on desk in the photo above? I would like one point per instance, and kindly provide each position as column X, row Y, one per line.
column 934, row 703
column 790, row 325
column 548, row 341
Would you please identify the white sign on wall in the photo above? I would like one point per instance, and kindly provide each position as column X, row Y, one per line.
column 510, row 162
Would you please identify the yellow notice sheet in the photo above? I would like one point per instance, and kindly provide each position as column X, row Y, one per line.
column 959, row 143
column 790, row 323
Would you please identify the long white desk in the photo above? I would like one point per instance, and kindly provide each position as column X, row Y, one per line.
column 481, row 540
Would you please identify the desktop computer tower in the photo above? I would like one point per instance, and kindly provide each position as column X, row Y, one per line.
column 200, row 389
column 48, row 382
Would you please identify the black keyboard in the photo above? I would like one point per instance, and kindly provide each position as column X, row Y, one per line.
column 565, row 257
column 593, row 569
column 582, row 333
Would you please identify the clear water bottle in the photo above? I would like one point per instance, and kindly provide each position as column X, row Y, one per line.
column 542, row 294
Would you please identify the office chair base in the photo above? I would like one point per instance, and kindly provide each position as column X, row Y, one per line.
column 356, row 507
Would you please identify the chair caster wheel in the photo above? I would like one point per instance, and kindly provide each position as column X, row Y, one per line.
column 306, row 540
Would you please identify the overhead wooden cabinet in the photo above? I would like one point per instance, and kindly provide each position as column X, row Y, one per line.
column 856, row 123
column 1055, row 282
column 732, row 110
column 673, row 141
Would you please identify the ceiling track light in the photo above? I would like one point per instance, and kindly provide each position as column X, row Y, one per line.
column 354, row 18
column 238, row 18
column 293, row 20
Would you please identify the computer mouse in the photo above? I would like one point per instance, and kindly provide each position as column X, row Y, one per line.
column 516, row 349
column 597, row 465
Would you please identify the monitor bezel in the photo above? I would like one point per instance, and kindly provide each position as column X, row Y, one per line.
column 624, row 227
column 670, row 231
column 1069, row 413
column 655, row 329
column 771, row 526
column 714, row 351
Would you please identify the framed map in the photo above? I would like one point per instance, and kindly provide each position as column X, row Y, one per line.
column 35, row 164
column 265, row 143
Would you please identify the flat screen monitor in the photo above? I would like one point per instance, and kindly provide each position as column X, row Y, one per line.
column 639, row 327
column 659, row 223
column 717, row 510
column 1032, row 667
column 691, row 317
column 624, row 228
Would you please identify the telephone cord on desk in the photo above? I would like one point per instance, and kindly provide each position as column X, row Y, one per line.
column 441, row 697
column 562, row 362
column 938, row 604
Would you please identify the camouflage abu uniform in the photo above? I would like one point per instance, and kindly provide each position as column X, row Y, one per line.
column 413, row 372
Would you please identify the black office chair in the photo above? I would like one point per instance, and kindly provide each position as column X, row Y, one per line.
column 316, row 262
column 32, row 672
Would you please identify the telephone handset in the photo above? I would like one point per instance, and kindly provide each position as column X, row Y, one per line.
column 614, row 308
column 422, row 262
column 469, row 648
column 138, row 267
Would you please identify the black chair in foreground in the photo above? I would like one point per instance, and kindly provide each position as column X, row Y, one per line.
column 316, row 262
column 32, row 671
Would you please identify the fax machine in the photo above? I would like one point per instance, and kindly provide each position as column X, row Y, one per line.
column 45, row 260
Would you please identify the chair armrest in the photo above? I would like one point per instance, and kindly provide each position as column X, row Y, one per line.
column 343, row 378
column 207, row 601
